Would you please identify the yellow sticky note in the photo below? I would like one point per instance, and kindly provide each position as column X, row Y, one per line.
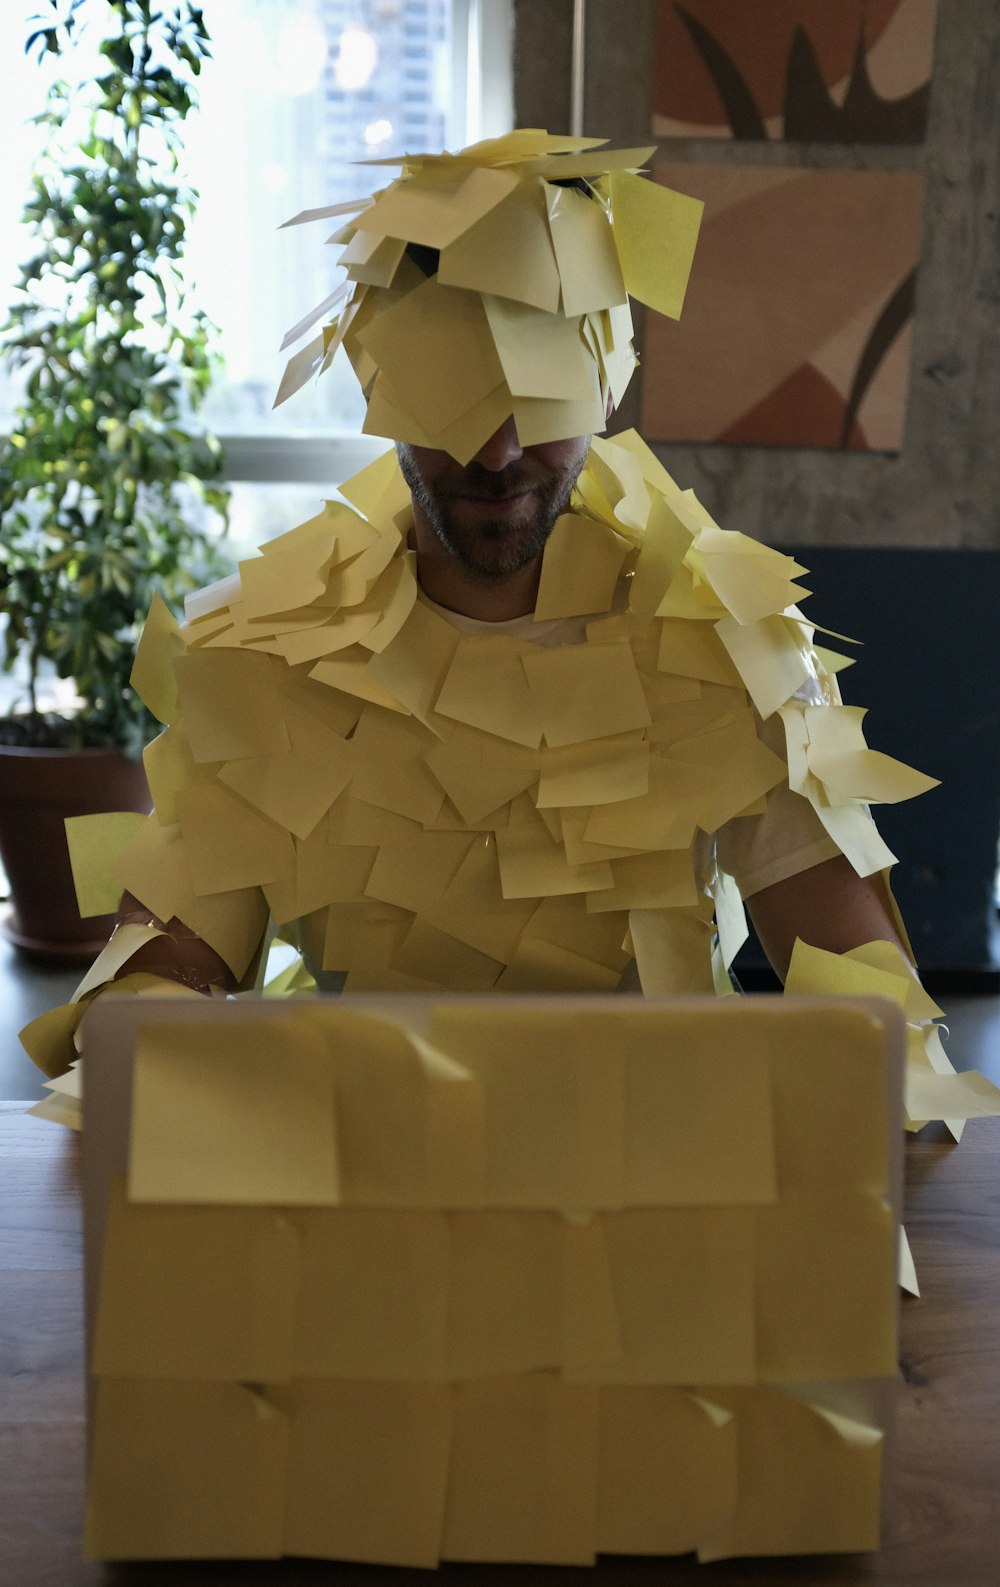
column 231, row 704
column 230, row 844
column 696, row 1134
column 435, row 215
column 808, row 1480
column 580, row 568
column 415, row 873
column 196, row 1292
column 434, row 954
column 367, row 1471
column 856, row 835
column 292, row 574
column 673, row 951
column 694, row 650
column 523, row 1478
column 373, row 1294
column 487, row 687
column 233, row 1114
column 826, row 1288
column 94, row 842
column 649, row 881
column 684, row 1293
column 766, row 657
column 943, row 1096
column 655, row 233
column 532, row 865
column 296, row 787
column 409, row 1117
column 668, row 1475
column 414, row 666
column 541, row 355
column 478, row 773
column 610, row 771
column 585, row 691
column 152, row 675
column 388, row 771
column 182, row 1470
column 751, row 580
column 553, row 1104
column 440, row 328
column 504, row 1293
column 585, row 251
column 817, row 971
column 508, row 253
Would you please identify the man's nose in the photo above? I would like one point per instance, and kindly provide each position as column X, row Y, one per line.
column 502, row 448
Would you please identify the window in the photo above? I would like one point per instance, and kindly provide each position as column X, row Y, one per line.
column 297, row 90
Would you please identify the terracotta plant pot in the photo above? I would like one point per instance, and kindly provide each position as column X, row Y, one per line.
column 39, row 788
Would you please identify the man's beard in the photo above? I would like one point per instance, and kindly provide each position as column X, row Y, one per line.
column 492, row 548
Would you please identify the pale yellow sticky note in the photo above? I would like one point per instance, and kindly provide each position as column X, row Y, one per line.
column 504, row 1293
column 958, row 1096
column 668, row 1474
column 580, row 568
column 440, row 328
column 684, row 1293
column 434, row 954
column 152, row 675
column 414, row 874
column 414, row 666
column 435, row 214
column 196, row 1292
column 124, row 942
column 409, row 1117
column 766, row 657
column 229, row 843
column 856, row 835
column 906, row 1271
column 590, row 1335
column 291, row 575
column 233, row 1114
column 373, row 1294
column 508, row 252
column 473, row 908
column 533, row 866
column 367, row 1471
column 838, row 756
column 536, row 965
column 349, row 672
column 487, row 687
column 673, row 951
column 826, row 1288
column 649, row 881
column 553, row 1101
column 369, row 489
column 619, row 473
column 828, row 1073
column 655, row 232
column 94, row 842
column 664, row 816
column 694, row 650
column 480, row 773
column 541, row 355
column 231, row 704
column 609, row 771
column 523, row 1480
column 585, row 251
column 698, row 1134
column 818, row 971
column 919, row 1005
column 388, row 765
column 296, row 787
column 184, row 1470
column 809, row 1480
column 585, row 691
column 541, row 419
column 751, row 580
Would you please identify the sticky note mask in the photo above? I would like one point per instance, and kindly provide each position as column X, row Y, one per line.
column 481, row 286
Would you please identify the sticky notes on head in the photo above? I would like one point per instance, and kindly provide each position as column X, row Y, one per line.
column 508, row 268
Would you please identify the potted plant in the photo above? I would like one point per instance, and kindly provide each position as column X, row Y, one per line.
column 109, row 488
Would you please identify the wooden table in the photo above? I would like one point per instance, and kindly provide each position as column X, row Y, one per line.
column 946, row 1493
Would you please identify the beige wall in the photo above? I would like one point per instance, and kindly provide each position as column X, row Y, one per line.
column 943, row 490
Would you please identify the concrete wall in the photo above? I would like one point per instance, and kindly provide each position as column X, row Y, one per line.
column 943, row 490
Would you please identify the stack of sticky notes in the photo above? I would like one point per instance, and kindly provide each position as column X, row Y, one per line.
column 486, row 1280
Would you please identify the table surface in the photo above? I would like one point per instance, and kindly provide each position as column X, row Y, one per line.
column 945, row 1487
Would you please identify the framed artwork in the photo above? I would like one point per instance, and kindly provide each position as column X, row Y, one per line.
column 830, row 71
column 796, row 326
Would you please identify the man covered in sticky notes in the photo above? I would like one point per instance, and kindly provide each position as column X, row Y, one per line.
column 513, row 713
